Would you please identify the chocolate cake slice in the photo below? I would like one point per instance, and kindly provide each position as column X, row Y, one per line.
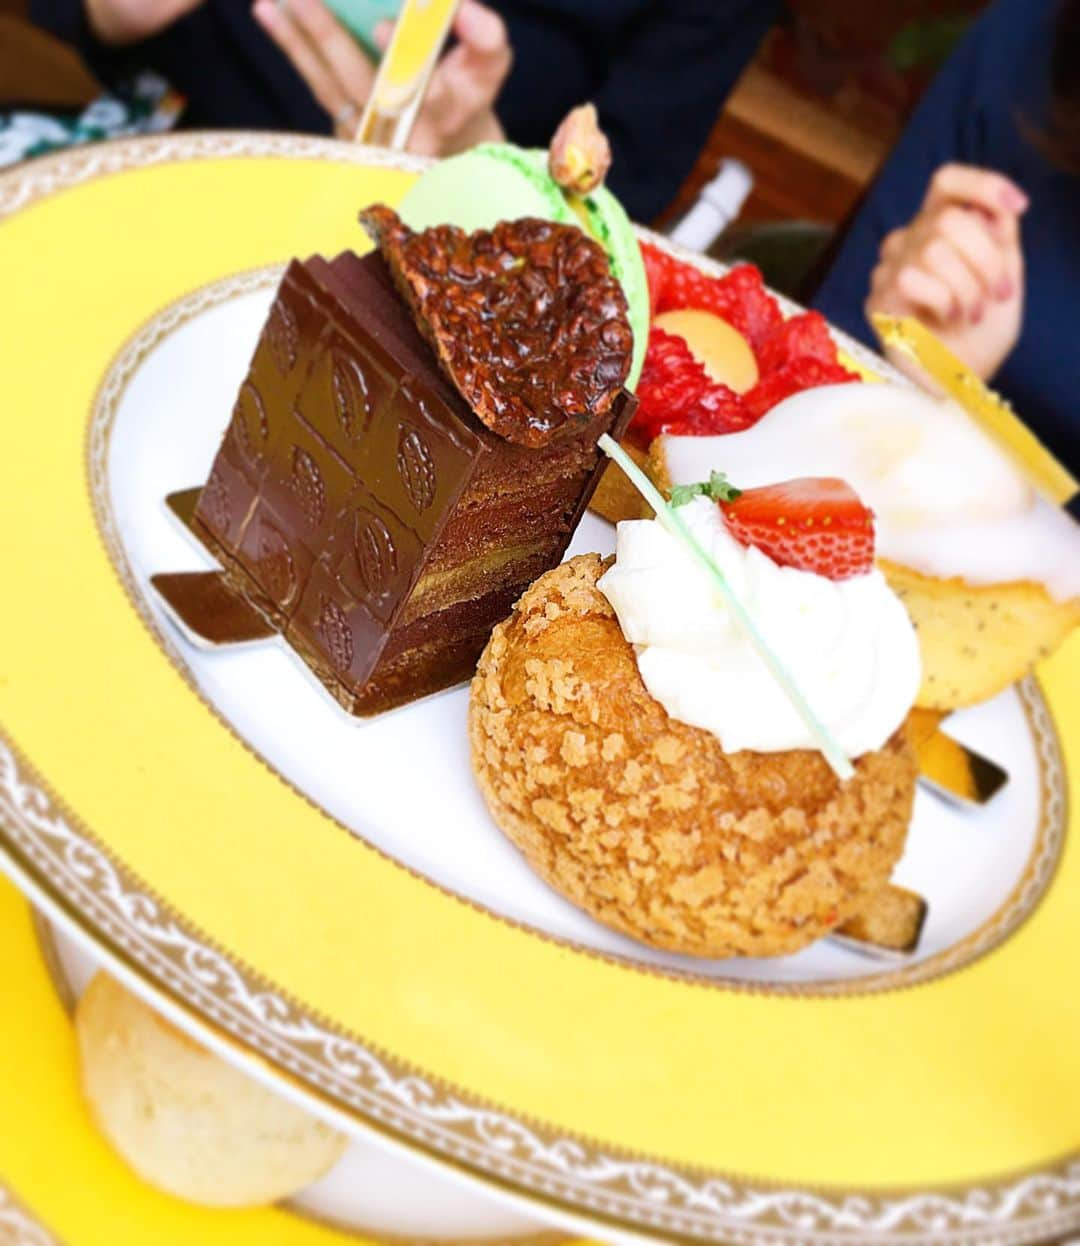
column 373, row 515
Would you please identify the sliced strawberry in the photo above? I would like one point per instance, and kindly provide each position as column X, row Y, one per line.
column 814, row 524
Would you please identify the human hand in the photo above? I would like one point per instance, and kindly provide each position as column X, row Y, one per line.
column 458, row 109
column 127, row 21
column 958, row 267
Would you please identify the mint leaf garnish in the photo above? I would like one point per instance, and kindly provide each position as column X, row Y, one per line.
column 681, row 494
column 717, row 487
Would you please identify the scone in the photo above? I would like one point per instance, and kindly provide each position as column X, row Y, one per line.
column 988, row 570
column 646, row 822
column 977, row 639
column 186, row 1121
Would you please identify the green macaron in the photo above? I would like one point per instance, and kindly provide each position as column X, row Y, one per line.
column 500, row 182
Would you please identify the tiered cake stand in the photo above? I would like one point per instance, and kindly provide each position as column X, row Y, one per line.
column 326, row 903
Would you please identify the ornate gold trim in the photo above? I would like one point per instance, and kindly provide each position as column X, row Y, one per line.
column 26, row 184
column 59, row 857
column 53, row 853
column 18, row 1224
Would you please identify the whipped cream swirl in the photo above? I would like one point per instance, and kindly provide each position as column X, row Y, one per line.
column 946, row 500
column 848, row 644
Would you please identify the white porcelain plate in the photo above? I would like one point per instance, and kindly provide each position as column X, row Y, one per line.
column 395, row 965
column 403, row 781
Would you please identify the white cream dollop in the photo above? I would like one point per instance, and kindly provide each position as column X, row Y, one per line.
column 848, row 644
column 946, row 500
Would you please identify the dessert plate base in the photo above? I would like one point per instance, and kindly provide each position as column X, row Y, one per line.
column 966, row 863
column 349, row 926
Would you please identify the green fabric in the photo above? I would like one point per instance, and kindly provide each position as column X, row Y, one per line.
column 145, row 106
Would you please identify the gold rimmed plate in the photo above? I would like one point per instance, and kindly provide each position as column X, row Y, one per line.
column 336, row 900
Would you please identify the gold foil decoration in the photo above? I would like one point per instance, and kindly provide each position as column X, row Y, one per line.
column 915, row 343
column 404, row 72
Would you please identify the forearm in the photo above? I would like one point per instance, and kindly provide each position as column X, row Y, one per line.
column 944, row 128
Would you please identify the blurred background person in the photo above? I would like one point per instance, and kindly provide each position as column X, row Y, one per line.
column 973, row 225
column 658, row 70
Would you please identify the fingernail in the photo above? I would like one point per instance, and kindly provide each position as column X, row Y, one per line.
column 1004, row 289
column 1013, row 199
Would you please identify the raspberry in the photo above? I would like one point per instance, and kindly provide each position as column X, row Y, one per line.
column 686, row 286
column 676, row 395
column 792, row 378
column 670, row 382
column 657, row 264
column 717, row 410
column 803, row 336
column 741, row 299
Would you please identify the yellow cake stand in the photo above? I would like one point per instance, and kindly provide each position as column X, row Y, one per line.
column 49, row 1131
column 59, row 1181
column 598, row 1093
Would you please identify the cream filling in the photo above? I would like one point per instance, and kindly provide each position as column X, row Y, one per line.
column 946, row 501
column 849, row 644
